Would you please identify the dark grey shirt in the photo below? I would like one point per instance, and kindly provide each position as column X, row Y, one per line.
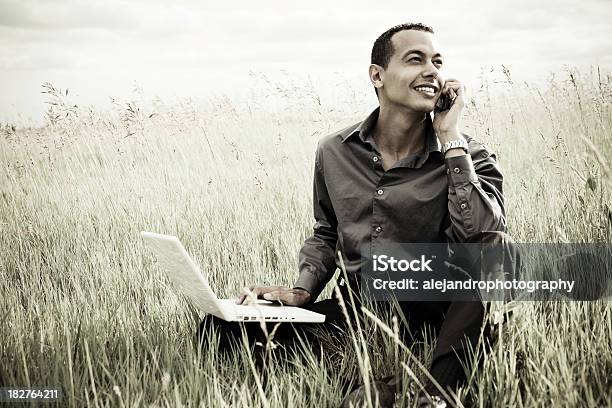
column 422, row 198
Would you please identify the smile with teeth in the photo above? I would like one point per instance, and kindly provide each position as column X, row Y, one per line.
column 427, row 90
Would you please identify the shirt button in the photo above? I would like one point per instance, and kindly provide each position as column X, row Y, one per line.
column 380, row 192
column 463, row 206
column 378, row 229
column 457, row 170
column 375, row 159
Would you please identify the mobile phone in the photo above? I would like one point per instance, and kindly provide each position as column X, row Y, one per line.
column 444, row 103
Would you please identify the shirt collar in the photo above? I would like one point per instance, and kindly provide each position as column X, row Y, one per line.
column 432, row 144
column 365, row 127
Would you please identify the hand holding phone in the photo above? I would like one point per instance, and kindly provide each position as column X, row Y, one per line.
column 444, row 102
column 448, row 110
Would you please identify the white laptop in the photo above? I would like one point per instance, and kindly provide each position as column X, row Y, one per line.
column 184, row 273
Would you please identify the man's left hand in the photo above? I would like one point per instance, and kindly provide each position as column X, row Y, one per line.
column 446, row 123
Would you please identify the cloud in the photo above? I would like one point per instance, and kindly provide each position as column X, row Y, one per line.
column 183, row 40
column 55, row 15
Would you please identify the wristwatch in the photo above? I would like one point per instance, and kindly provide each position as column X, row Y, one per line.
column 462, row 143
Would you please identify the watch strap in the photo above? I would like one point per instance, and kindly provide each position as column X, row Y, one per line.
column 453, row 144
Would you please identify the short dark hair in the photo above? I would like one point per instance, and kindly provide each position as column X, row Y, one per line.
column 382, row 50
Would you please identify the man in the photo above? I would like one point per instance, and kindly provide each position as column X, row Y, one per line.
column 388, row 179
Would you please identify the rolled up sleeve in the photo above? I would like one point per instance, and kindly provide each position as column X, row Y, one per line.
column 317, row 263
column 475, row 194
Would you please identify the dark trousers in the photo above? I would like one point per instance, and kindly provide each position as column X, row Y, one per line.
column 456, row 325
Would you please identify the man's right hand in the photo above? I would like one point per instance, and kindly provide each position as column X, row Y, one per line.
column 284, row 295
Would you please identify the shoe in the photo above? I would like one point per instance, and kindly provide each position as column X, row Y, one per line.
column 358, row 398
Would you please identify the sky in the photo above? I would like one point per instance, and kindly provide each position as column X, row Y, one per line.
column 199, row 48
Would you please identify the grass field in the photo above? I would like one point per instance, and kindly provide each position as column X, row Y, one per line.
column 85, row 307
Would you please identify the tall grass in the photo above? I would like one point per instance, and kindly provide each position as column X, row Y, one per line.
column 85, row 307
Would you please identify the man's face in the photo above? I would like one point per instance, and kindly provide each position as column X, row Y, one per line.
column 412, row 79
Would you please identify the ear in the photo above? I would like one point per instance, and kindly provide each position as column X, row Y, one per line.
column 377, row 75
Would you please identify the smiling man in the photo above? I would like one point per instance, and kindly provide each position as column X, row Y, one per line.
column 398, row 176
